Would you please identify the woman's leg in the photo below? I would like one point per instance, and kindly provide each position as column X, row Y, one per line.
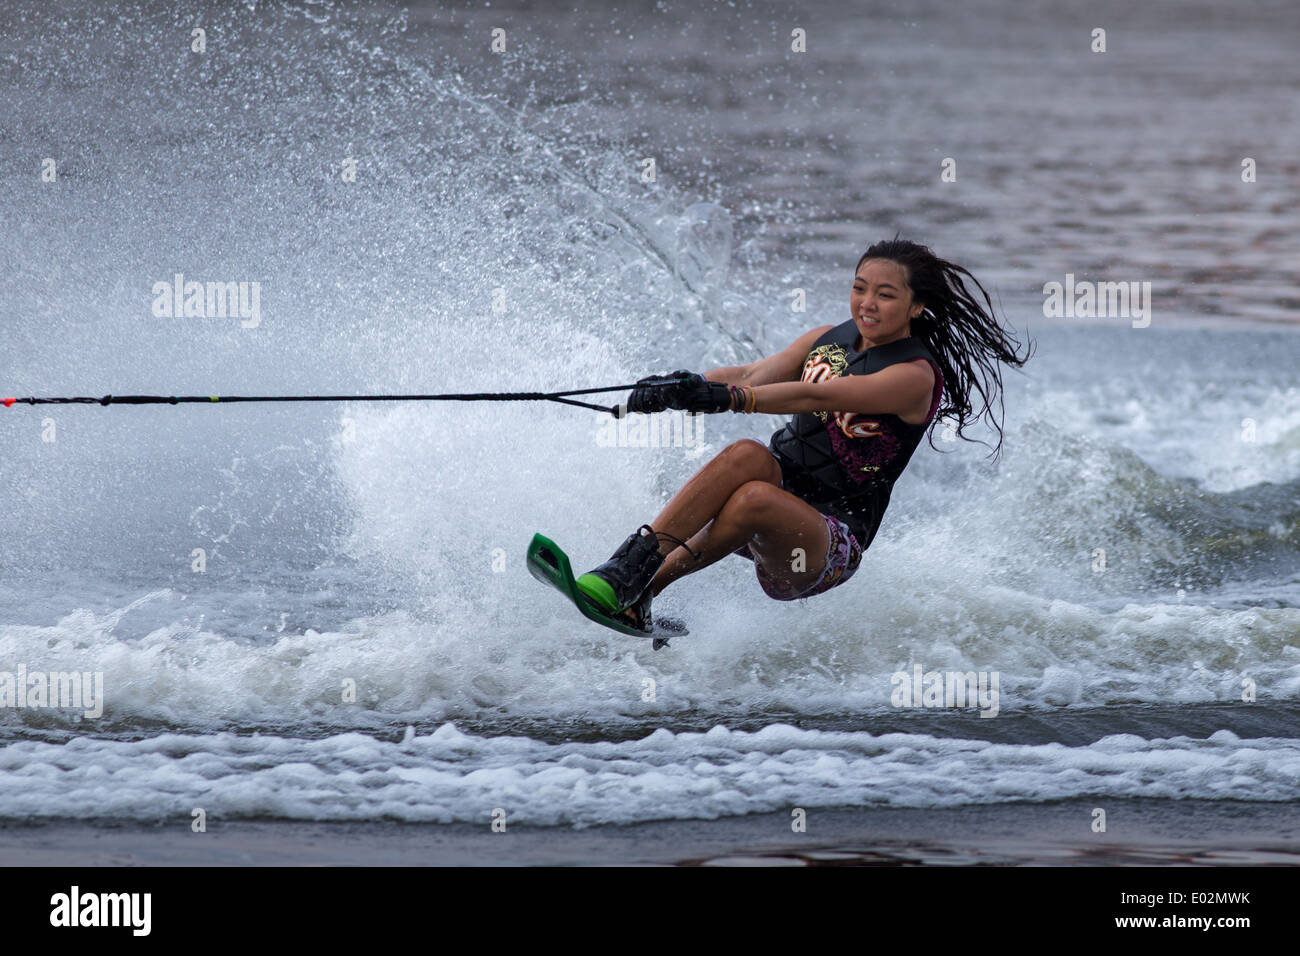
column 737, row 499
column 691, row 510
column 785, row 534
column 703, row 496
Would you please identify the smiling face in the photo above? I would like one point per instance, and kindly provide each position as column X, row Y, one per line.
column 881, row 303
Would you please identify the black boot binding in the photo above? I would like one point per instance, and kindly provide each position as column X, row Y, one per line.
column 623, row 581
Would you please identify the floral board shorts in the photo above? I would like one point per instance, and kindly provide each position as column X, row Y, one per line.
column 842, row 560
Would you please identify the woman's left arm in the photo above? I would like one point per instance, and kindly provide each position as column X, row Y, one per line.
column 892, row 391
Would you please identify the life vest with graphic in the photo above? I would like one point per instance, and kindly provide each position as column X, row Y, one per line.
column 845, row 463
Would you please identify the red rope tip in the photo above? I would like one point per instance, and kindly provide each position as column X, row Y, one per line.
column 9, row 402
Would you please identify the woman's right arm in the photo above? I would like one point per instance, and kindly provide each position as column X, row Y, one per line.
column 784, row 366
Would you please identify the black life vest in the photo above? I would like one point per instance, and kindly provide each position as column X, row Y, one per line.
column 845, row 463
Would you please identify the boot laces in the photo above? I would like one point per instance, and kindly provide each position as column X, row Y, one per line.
column 672, row 538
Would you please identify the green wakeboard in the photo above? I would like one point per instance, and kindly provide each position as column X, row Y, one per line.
column 550, row 565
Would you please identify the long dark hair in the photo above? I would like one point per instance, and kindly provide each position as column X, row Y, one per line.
column 964, row 336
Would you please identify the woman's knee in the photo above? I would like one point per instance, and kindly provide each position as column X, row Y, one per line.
column 755, row 457
column 757, row 501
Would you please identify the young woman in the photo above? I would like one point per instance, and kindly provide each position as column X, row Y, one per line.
column 863, row 394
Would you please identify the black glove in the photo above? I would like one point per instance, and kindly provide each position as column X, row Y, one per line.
column 659, row 392
column 706, row 397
